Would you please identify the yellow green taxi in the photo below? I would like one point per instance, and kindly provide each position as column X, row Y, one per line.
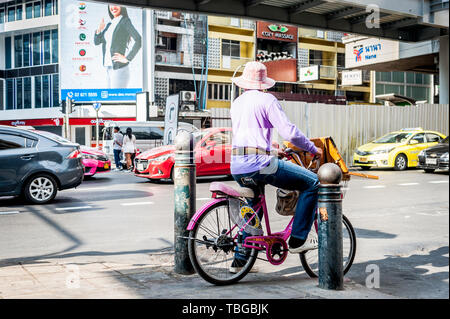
column 397, row 150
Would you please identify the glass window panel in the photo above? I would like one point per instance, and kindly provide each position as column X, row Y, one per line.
column 37, row 92
column 54, row 46
column 236, row 50
column 18, row 51
column 398, row 77
column 209, row 91
column 37, row 9
column 27, row 93
column 45, row 91
column 29, row 11
column 427, row 78
column 55, row 7
column 410, row 77
column 55, row 89
column 386, row 76
column 26, row 50
column 2, row 16
column 226, row 47
column 48, row 8
column 419, row 78
column 220, row 92
column 8, row 141
column 8, row 62
column 9, row 94
column 216, row 91
column 47, row 52
column 19, row 93
column 11, row 14
column 19, row 11
column 379, row 89
column 36, row 48
column 226, row 96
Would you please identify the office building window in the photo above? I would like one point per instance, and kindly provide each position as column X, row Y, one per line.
column 19, row 93
column 27, row 93
column 37, row 9
column 45, row 91
column 18, row 50
column 9, row 94
column 11, row 14
column 8, row 58
column 37, row 48
column 55, row 46
column 19, row 11
column 55, row 6
column 2, row 16
column 26, row 50
column 47, row 50
column 55, row 89
column 37, row 92
column 231, row 48
column 29, row 11
column 341, row 60
column 48, row 7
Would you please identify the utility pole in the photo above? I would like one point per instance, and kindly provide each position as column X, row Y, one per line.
column 66, row 117
column 97, row 107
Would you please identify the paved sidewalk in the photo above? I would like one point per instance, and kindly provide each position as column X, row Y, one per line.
column 72, row 278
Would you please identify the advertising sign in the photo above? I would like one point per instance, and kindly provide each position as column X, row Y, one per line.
column 273, row 31
column 309, row 73
column 352, row 77
column 171, row 119
column 101, row 51
column 370, row 51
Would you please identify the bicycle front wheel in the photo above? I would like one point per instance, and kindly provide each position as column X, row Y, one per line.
column 310, row 258
column 212, row 246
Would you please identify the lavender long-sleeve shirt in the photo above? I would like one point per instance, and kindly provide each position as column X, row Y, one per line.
column 254, row 114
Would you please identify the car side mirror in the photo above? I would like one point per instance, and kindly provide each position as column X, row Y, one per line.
column 412, row 142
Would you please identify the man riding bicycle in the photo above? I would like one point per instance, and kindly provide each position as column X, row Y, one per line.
column 254, row 115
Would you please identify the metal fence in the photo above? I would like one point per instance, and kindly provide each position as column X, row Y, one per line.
column 353, row 125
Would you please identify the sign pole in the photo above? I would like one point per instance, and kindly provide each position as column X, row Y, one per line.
column 97, row 107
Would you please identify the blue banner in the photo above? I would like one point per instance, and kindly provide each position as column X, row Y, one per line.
column 99, row 95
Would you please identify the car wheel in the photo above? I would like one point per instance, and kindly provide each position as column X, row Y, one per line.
column 401, row 162
column 429, row 170
column 172, row 177
column 40, row 189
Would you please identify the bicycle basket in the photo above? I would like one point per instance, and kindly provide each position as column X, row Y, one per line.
column 241, row 213
column 286, row 202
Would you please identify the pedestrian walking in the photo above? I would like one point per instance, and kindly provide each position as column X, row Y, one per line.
column 117, row 147
column 129, row 147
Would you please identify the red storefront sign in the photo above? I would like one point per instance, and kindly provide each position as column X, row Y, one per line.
column 279, row 32
column 34, row 122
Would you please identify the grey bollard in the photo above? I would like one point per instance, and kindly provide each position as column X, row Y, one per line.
column 331, row 272
column 184, row 191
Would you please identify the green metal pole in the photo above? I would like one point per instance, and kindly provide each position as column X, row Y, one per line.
column 185, row 196
column 331, row 272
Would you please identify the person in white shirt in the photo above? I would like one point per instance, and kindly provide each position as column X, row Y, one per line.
column 129, row 147
column 117, row 147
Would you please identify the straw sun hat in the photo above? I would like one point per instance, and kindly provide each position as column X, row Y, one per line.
column 254, row 77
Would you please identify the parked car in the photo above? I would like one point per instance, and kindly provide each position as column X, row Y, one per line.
column 397, row 150
column 434, row 157
column 94, row 161
column 212, row 156
column 36, row 164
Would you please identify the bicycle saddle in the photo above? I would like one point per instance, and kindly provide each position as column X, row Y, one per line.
column 218, row 187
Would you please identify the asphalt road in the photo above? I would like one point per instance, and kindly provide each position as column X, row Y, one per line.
column 401, row 221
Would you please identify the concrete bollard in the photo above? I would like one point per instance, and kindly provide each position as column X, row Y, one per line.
column 184, row 191
column 331, row 272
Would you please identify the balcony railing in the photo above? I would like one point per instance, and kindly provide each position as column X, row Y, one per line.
column 232, row 22
column 231, row 63
column 319, row 34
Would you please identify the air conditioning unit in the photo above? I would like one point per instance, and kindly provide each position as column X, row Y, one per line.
column 187, row 96
column 187, row 108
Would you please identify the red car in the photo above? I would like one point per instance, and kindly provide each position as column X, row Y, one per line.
column 212, row 156
column 94, row 161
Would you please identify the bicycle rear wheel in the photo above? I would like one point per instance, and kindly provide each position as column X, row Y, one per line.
column 310, row 258
column 212, row 250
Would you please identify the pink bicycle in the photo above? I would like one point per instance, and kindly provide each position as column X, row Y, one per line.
column 216, row 235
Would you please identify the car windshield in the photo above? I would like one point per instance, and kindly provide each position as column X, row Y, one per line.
column 445, row 140
column 52, row 136
column 393, row 138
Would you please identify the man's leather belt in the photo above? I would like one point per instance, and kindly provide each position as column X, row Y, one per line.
column 251, row 150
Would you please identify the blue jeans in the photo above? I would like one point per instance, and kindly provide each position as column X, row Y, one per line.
column 289, row 176
column 117, row 158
